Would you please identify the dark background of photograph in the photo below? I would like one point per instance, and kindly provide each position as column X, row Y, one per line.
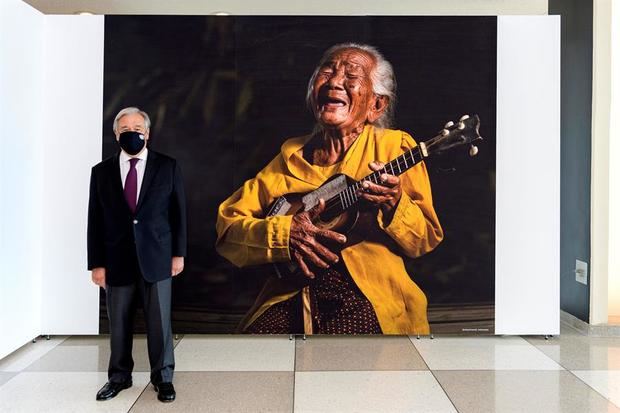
column 223, row 94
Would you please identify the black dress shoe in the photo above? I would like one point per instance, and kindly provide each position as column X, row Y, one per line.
column 111, row 389
column 165, row 392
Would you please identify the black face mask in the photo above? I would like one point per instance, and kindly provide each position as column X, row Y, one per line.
column 131, row 142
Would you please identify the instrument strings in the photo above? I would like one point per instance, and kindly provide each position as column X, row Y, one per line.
column 348, row 197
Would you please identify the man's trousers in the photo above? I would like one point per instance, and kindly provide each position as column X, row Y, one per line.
column 121, row 303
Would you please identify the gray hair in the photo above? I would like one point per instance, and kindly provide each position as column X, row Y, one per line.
column 382, row 78
column 128, row 111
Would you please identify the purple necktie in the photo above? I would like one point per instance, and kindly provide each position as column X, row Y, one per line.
column 131, row 185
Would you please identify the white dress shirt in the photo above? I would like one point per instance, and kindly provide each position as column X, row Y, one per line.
column 140, row 167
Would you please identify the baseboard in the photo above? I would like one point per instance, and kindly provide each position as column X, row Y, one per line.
column 601, row 330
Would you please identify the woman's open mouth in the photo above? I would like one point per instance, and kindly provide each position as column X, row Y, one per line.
column 327, row 102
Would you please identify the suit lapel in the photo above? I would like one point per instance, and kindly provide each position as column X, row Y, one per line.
column 152, row 165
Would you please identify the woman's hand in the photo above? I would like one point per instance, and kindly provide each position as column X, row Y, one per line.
column 385, row 195
column 304, row 242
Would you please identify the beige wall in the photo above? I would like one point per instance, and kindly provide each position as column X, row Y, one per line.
column 601, row 253
column 614, row 165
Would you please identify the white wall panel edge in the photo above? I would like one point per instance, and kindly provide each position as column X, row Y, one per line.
column 73, row 119
column 527, row 280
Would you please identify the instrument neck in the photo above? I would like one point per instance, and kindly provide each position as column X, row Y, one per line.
column 348, row 197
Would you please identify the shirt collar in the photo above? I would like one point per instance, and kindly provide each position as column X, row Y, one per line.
column 125, row 157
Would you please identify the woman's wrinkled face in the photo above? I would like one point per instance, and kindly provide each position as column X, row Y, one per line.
column 342, row 95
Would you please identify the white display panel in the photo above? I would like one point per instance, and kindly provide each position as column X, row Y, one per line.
column 527, row 267
column 52, row 101
column 72, row 145
column 51, row 78
column 21, row 108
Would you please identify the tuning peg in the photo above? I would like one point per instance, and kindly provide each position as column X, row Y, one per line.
column 464, row 117
column 473, row 150
column 449, row 124
column 461, row 126
column 444, row 132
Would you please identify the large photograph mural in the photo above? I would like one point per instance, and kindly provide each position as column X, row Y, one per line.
column 255, row 108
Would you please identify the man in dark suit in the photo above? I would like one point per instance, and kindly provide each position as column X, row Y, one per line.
column 136, row 243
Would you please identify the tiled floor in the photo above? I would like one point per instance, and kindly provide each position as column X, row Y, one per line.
column 569, row 373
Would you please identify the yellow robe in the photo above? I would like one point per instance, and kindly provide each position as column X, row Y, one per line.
column 376, row 266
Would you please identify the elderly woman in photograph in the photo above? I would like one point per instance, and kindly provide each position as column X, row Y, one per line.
column 363, row 288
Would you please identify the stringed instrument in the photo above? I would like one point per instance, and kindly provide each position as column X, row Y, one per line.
column 342, row 210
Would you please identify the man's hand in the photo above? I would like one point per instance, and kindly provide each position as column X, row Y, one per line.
column 303, row 241
column 386, row 195
column 178, row 263
column 98, row 276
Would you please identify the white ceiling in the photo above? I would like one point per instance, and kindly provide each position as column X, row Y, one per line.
column 292, row 7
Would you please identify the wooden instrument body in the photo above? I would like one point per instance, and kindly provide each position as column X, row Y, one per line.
column 342, row 221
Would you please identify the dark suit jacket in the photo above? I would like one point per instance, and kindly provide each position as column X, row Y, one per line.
column 125, row 243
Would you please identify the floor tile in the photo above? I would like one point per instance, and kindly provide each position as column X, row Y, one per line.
column 235, row 353
column 606, row 382
column 566, row 330
column 6, row 376
column 521, row 391
column 579, row 352
column 88, row 353
column 104, row 340
column 65, row 392
column 29, row 353
column 482, row 353
column 321, row 353
column 369, row 391
column 224, row 392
